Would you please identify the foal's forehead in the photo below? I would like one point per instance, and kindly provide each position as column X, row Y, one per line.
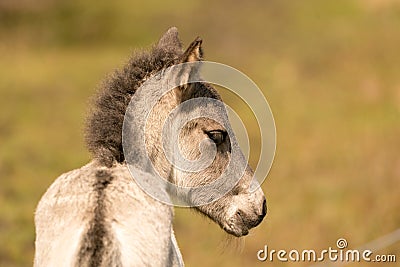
column 204, row 90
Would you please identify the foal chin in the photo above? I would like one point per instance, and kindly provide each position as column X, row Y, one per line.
column 238, row 211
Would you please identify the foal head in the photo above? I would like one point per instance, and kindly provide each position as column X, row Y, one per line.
column 183, row 133
column 191, row 144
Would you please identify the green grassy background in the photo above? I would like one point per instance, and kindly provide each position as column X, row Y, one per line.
column 329, row 69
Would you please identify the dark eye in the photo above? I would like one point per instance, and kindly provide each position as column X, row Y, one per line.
column 217, row 136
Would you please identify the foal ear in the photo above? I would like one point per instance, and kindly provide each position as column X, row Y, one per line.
column 190, row 72
column 194, row 52
column 170, row 41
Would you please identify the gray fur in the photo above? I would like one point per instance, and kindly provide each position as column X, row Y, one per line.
column 134, row 230
column 98, row 236
column 98, row 216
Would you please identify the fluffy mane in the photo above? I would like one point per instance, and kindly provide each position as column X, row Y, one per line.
column 103, row 131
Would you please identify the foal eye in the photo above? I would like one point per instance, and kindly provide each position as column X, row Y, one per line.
column 217, row 136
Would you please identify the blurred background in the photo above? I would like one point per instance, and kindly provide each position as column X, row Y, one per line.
column 329, row 69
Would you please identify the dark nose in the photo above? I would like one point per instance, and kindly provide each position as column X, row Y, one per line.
column 262, row 215
column 264, row 209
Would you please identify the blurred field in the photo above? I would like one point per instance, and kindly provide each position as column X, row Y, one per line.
column 329, row 69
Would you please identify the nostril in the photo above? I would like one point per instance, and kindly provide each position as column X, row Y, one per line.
column 264, row 208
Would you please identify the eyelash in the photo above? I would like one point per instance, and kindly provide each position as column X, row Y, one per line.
column 217, row 136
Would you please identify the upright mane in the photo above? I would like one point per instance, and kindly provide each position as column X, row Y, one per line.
column 103, row 131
